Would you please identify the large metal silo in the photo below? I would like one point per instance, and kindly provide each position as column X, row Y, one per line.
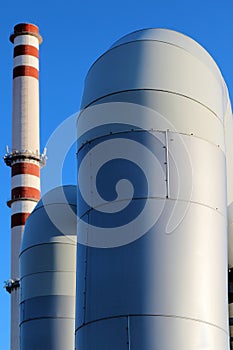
column 152, row 198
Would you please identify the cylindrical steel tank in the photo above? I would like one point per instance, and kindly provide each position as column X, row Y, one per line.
column 152, row 198
column 47, row 273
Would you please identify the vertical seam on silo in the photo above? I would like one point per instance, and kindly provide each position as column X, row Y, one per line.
column 91, row 178
column 85, row 277
column 86, row 243
column 128, row 333
column 167, row 163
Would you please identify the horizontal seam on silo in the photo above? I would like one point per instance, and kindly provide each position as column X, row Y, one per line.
column 180, row 34
column 49, row 243
column 152, row 315
column 154, row 198
column 46, row 271
column 46, row 317
column 145, row 89
column 149, row 131
column 55, row 203
column 163, row 42
column 168, row 30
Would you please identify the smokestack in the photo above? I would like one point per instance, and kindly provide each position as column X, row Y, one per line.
column 24, row 158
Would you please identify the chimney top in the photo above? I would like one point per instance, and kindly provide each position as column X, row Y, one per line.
column 25, row 28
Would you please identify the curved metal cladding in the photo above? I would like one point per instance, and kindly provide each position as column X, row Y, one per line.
column 47, row 273
column 229, row 156
column 152, row 228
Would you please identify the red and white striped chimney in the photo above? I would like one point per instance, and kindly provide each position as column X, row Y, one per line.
column 24, row 158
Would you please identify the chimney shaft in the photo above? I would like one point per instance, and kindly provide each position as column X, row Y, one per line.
column 24, row 157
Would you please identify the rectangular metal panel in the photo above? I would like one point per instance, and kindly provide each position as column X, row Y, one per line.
column 47, row 334
column 55, row 306
column 47, row 283
column 133, row 166
column 150, row 109
column 169, row 270
column 197, row 171
column 48, row 257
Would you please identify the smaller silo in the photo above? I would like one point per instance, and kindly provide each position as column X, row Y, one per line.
column 47, row 273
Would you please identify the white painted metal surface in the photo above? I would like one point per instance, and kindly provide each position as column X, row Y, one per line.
column 167, row 286
column 47, row 273
column 170, row 106
column 228, row 128
column 183, row 73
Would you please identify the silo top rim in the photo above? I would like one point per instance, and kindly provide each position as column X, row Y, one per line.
column 53, row 220
column 171, row 37
column 65, row 194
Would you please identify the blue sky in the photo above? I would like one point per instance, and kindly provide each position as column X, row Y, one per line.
column 75, row 33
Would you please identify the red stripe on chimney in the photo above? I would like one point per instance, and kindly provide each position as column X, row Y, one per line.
column 25, row 192
column 19, row 219
column 28, row 71
column 26, row 50
column 25, row 168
